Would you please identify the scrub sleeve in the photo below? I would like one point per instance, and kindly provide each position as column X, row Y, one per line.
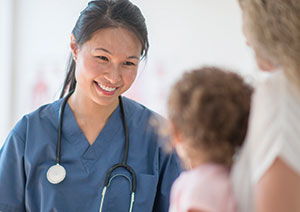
column 169, row 169
column 12, row 176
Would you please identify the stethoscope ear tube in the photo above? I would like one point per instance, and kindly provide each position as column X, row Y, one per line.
column 61, row 113
column 126, row 131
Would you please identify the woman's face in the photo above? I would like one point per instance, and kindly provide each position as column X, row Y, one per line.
column 106, row 65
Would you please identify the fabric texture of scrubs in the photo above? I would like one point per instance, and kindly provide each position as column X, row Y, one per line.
column 30, row 149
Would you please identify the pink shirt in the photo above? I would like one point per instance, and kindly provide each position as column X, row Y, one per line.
column 205, row 188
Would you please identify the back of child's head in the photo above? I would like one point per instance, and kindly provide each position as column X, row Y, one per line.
column 210, row 108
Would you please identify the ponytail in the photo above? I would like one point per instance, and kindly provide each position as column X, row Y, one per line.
column 70, row 81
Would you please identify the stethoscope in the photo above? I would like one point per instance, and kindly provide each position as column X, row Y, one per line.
column 57, row 172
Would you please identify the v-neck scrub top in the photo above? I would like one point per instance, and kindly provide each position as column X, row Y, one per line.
column 30, row 149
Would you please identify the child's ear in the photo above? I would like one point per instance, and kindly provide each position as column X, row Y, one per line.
column 176, row 134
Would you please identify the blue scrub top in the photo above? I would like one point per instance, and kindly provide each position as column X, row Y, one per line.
column 30, row 149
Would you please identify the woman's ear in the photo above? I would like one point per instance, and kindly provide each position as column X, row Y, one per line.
column 74, row 47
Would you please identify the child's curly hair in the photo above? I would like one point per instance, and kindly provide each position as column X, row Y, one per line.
column 210, row 107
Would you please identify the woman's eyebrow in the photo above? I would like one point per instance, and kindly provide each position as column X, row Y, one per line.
column 107, row 51
column 103, row 49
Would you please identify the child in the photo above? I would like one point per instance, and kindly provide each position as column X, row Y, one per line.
column 208, row 114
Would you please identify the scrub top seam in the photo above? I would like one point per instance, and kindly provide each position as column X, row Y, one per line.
column 17, row 135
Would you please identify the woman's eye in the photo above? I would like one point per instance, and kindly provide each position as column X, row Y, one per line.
column 127, row 63
column 102, row 58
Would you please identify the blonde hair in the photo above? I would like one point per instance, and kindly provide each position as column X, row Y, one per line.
column 273, row 28
column 210, row 107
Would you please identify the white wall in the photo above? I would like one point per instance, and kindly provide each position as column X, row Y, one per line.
column 188, row 34
column 6, row 45
column 44, row 30
column 184, row 34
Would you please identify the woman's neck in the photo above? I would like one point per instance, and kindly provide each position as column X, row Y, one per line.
column 85, row 108
column 90, row 116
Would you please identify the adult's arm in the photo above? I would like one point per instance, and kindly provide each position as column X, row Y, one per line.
column 12, row 174
column 278, row 190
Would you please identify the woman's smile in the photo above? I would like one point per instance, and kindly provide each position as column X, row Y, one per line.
column 107, row 90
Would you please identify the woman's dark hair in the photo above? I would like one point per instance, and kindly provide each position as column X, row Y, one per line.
column 100, row 14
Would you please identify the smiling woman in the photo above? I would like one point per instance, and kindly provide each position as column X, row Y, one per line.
column 89, row 131
column 106, row 66
column 266, row 174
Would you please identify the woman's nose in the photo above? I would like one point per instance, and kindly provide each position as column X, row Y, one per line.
column 113, row 74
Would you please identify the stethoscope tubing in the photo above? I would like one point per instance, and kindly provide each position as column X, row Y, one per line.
column 61, row 113
column 123, row 164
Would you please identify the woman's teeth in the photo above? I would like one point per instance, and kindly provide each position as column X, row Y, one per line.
column 107, row 88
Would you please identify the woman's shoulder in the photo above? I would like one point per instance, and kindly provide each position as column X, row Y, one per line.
column 45, row 113
column 276, row 88
column 133, row 105
column 270, row 90
column 136, row 110
column 273, row 128
column 145, row 123
column 275, row 106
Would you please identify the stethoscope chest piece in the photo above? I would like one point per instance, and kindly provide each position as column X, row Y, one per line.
column 56, row 174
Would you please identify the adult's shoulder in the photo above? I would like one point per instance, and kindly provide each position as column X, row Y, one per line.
column 268, row 105
column 274, row 100
column 47, row 113
column 273, row 129
column 138, row 111
column 46, row 110
column 144, row 122
column 269, row 90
